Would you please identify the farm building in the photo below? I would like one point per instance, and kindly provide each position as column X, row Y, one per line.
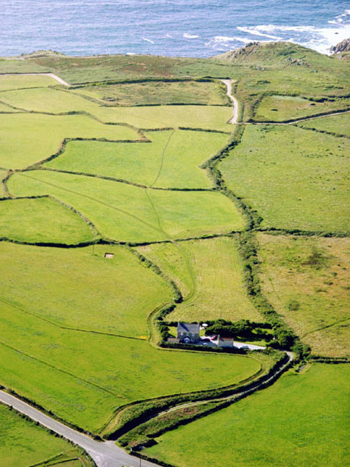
column 225, row 341
column 188, row 332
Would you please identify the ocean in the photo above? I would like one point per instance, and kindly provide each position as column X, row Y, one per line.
column 197, row 28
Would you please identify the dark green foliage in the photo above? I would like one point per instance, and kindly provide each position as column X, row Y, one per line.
column 243, row 329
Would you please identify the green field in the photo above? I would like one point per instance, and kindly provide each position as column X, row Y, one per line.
column 302, row 183
column 42, row 135
column 158, row 92
column 58, row 101
column 42, row 220
column 84, row 376
column 99, row 294
column 165, row 116
column 127, row 213
column 4, row 108
column 24, row 444
column 282, row 108
column 338, row 124
column 106, row 161
column 285, row 69
column 13, row 81
column 172, row 159
column 46, row 100
column 302, row 420
column 209, row 274
column 123, row 67
column 307, row 282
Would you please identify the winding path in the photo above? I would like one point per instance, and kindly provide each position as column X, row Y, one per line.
column 105, row 454
column 228, row 84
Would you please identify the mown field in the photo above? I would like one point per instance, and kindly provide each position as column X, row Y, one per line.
column 74, row 325
column 296, row 179
column 10, row 82
column 84, row 376
column 307, row 282
column 46, row 220
column 301, row 420
column 127, row 213
column 338, row 124
column 212, row 289
column 287, row 108
column 42, row 135
column 100, row 294
column 157, row 92
column 169, row 159
column 6, row 109
column 24, row 444
column 62, row 101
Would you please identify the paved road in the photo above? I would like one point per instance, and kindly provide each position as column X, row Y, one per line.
column 228, row 85
column 240, row 345
column 105, row 454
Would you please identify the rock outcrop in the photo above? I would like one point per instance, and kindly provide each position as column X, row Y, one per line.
column 343, row 46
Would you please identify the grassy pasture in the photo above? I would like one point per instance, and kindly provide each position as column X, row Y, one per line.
column 157, row 92
column 165, row 116
column 128, row 213
column 7, row 109
column 56, row 101
column 307, row 281
column 24, row 444
column 174, row 261
column 338, row 124
column 41, row 135
column 42, row 220
column 46, row 100
column 14, row 65
column 211, row 271
column 125, row 67
column 81, row 289
column 84, row 377
column 301, row 420
column 13, row 81
column 281, row 108
column 171, row 160
column 302, row 183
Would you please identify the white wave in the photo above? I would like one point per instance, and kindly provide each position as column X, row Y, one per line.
column 273, row 28
column 190, row 36
column 147, row 40
column 168, row 35
column 256, row 32
column 320, row 39
column 130, row 53
column 225, row 41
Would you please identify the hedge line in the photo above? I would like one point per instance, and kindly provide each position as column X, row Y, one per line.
column 140, row 412
column 303, row 233
column 178, row 298
column 285, row 337
column 242, row 391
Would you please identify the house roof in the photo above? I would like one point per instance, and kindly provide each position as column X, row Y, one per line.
column 185, row 327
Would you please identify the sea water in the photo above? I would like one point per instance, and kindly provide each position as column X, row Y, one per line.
column 197, row 28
